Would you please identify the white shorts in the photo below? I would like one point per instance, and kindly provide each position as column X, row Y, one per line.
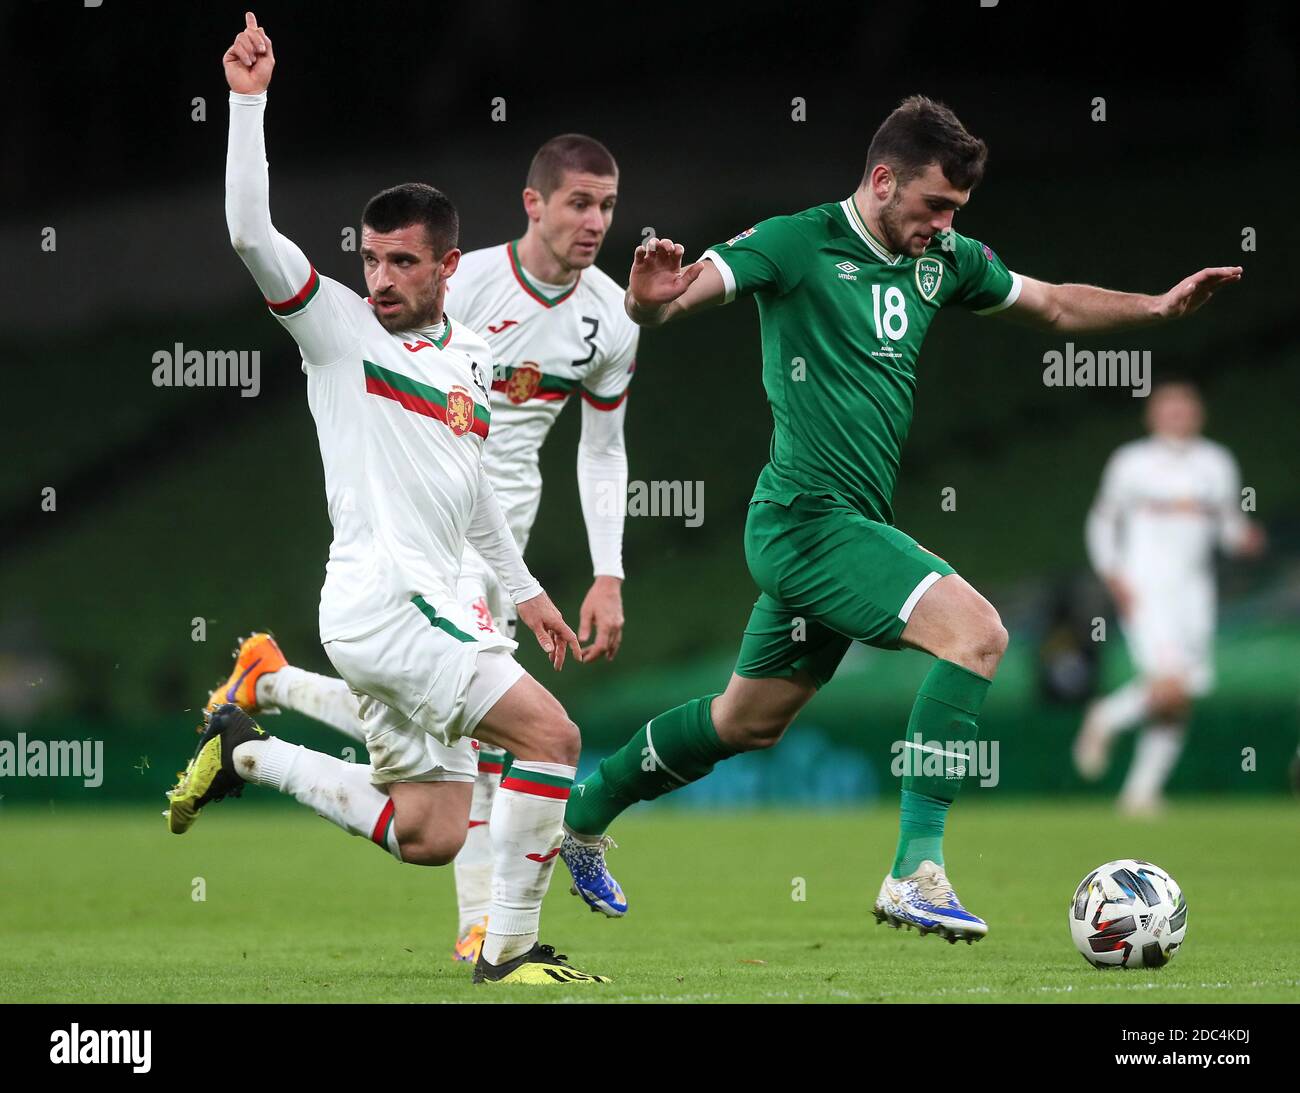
column 1171, row 635
column 424, row 680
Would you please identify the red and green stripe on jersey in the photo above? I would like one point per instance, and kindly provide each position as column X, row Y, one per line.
column 299, row 300
column 527, row 382
column 603, row 402
column 465, row 416
column 522, row 780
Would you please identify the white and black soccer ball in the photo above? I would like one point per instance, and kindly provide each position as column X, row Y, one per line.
column 1128, row 914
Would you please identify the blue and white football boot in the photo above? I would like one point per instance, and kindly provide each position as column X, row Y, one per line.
column 591, row 879
column 925, row 900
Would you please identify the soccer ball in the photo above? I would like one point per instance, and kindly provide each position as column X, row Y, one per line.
column 1128, row 914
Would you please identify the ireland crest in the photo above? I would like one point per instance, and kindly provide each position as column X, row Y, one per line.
column 929, row 276
column 460, row 410
column 523, row 382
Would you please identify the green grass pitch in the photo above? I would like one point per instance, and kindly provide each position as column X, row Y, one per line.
column 98, row 906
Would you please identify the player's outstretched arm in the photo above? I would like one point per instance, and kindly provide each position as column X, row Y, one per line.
column 490, row 535
column 1080, row 309
column 660, row 289
column 286, row 278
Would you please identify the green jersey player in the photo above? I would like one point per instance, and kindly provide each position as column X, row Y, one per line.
column 845, row 293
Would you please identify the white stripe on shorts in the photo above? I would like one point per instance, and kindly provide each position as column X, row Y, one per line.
column 909, row 605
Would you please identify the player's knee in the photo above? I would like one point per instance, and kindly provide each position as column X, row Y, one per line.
column 766, row 735
column 1169, row 700
column 432, row 847
column 756, row 731
column 985, row 640
column 995, row 636
column 558, row 739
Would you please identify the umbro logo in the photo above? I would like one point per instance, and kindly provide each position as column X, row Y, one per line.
column 847, row 270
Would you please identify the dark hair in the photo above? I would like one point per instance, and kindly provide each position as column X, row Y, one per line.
column 921, row 131
column 415, row 203
column 570, row 152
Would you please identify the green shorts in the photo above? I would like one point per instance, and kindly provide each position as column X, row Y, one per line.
column 829, row 577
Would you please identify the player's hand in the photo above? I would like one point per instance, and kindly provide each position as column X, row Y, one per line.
column 249, row 60
column 1191, row 292
column 543, row 618
column 1253, row 543
column 602, row 609
column 1122, row 594
column 657, row 276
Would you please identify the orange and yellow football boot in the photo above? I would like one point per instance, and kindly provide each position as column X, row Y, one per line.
column 254, row 657
column 470, row 944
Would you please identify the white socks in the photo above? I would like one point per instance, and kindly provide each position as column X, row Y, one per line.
column 527, row 829
column 324, row 698
column 1158, row 749
column 514, row 854
column 1120, row 709
column 473, row 864
column 337, row 791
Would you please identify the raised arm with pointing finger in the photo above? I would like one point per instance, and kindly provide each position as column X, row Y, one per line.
column 287, row 279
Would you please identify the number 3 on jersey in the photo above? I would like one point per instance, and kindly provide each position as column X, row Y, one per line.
column 590, row 339
column 893, row 322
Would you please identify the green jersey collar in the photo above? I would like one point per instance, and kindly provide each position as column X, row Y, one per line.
column 441, row 340
column 517, row 267
column 859, row 225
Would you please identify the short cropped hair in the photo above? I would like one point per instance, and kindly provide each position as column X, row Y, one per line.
column 570, row 152
column 415, row 203
column 921, row 131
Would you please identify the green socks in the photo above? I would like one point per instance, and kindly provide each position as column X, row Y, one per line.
column 945, row 712
column 671, row 751
column 681, row 746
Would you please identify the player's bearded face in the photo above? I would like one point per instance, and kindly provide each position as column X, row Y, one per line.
column 575, row 218
column 407, row 281
column 892, row 224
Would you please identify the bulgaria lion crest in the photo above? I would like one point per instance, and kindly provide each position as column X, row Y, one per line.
column 460, row 410
column 523, row 382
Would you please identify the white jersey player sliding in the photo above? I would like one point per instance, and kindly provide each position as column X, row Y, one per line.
column 558, row 333
column 1165, row 502
column 399, row 393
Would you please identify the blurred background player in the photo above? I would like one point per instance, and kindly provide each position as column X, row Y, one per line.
column 399, row 393
column 558, row 333
column 1165, row 502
